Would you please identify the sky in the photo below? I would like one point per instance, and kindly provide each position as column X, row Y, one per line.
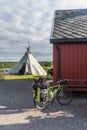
column 29, row 22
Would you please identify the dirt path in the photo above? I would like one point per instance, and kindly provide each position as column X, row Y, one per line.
column 17, row 111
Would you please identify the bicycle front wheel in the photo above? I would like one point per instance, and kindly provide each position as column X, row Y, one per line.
column 64, row 96
column 42, row 104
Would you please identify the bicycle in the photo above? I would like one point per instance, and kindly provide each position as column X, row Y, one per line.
column 45, row 93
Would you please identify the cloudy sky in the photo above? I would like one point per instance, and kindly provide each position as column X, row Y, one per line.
column 28, row 22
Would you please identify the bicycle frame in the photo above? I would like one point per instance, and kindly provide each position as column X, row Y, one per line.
column 55, row 91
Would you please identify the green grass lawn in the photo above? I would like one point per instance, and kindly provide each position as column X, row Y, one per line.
column 22, row 77
column 19, row 77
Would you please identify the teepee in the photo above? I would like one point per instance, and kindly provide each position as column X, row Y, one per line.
column 28, row 65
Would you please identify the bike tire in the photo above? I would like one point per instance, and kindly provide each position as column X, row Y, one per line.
column 41, row 105
column 64, row 96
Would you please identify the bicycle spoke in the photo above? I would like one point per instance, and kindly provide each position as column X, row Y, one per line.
column 64, row 96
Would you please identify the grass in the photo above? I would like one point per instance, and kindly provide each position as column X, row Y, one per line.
column 23, row 77
column 19, row 77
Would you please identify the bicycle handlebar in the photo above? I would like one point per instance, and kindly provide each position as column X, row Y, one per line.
column 62, row 81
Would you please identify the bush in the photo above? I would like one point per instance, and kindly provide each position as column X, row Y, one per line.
column 46, row 63
column 7, row 64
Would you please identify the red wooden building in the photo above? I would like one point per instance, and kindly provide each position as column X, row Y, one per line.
column 69, row 39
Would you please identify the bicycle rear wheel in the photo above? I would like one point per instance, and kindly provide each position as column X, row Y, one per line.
column 64, row 96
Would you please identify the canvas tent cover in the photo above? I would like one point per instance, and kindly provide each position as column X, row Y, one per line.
column 28, row 65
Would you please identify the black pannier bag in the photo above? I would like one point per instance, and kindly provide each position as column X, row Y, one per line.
column 39, row 83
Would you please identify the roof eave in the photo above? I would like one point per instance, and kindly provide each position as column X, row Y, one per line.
column 67, row 40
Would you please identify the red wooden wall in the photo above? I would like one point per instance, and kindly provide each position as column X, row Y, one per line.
column 73, row 61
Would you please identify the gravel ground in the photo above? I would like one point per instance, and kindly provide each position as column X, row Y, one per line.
column 17, row 111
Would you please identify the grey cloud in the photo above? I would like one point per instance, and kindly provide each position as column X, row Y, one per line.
column 25, row 20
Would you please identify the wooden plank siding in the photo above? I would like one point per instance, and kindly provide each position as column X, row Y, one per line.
column 73, row 62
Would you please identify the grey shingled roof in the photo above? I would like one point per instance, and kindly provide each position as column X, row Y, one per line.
column 69, row 26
